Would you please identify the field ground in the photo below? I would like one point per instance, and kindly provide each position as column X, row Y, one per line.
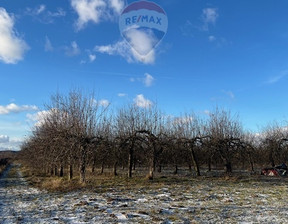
column 254, row 199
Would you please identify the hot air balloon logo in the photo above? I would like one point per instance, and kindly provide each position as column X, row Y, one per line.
column 143, row 25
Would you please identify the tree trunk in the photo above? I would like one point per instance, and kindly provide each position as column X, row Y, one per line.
column 195, row 162
column 115, row 168
column 228, row 167
column 152, row 169
column 251, row 162
column 102, row 167
column 271, row 158
column 94, row 164
column 83, row 165
column 56, row 170
column 159, row 168
column 209, row 164
column 82, row 173
column 61, row 174
column 51, row 171
column 176, row 169
column 130, row 161
column 70, row 172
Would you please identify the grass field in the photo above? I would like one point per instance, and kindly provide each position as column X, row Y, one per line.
column 237, row 199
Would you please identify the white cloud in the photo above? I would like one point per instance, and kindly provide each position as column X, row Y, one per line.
column 4, row 138
column 211, row 38
column 117, row 5
column 41, row 14
column 119, row 48
column 143, row 42
column 73, row 50
column 59, row 13
column 101, row 103
column 40, row 9
column 142, row 102
column 277, row 78
column 88, row 10
column 38, row 119
column 209, row 16
column 122, row 94
column 12, row 47
column 92, row 57
column 96, row 11
column 229, row 93
column 148, row 81
column 183, row 120
column 10, row 144
column 48, row 46
column 123, row 49
column 35, row 11
column 13, row 108
column 104, row 103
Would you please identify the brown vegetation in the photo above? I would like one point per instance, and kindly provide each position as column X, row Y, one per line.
column 79, row 137
column 6, row 157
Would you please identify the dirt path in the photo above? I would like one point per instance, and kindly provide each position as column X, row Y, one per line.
column 15, row 196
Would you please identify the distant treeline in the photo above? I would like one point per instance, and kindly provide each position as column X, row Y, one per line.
column 76, row 133
column 6, row 157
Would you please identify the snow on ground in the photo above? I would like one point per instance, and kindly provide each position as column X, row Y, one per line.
column 203, row 201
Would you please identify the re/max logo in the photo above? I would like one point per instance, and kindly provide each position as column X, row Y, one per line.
column 142, row 19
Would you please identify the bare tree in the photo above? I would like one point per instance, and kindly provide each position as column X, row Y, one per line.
column 274, row 142
column 225, row 133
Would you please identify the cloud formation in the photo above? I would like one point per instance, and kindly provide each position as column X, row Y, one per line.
column 6, row 143
column 183, row 120
column 148, row 80
column 104, row 103
column 101, row 103
column 122, row 94
column 38, row 119
column 230, row 94
column 143, row 42
column 40, row 9
column 123, row 49
column 92, row 57
column 211, row 38
column 41, row 14
column 117, row 5
column 4, row 138
column 277, row 78
column 95, row 11
column 141, row 101
column 13, row 108
column 72, row 50
column 209, row 17
column 12, row 47
column 48, row 45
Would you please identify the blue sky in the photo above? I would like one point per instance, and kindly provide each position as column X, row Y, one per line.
column 231, row 54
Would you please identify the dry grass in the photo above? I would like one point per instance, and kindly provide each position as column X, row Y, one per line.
column 1, row 169
column 105, row 182
column 206, row 199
